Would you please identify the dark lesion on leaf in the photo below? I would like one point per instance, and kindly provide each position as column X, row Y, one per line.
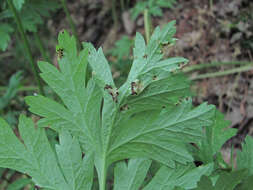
column 154, row 77
column 136, row 87
column 133, row 88
column 59, row 52
column 113, row 92
column 107, row 86
column 124, row 107
column 182, row 65
column 145, row 56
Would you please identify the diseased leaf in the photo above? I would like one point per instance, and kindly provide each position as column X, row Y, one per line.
column 101, row 70
column 69, row 82
column 94, row 113
column 148, row 66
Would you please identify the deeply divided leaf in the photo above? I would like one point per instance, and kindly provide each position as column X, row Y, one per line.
column 150, row 117
column 37, row 159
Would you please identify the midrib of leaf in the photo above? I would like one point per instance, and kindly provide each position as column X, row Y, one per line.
column 104, row 155
column 72, row 170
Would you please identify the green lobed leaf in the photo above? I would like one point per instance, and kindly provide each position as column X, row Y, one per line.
column 5, row 32
column 101, row 70
column 122, row 47
column 138, row 9
column 216, row 136
column 130, row 176
column 148, row 66
column 230, row 180
column 246, row 184
column 93, row 115
column 226, row 181
column 18, row 4
column 153, row 6
column 184, row 176
column 36, row 158
column 77, row 172
column 205, row 183
column 245, row 157
column 34, row 11
column 12, row 89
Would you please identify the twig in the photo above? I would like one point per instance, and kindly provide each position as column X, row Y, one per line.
column 20, row 89
column 147, row 24
column 213, row 64
column 114, row 14
column 223, row 73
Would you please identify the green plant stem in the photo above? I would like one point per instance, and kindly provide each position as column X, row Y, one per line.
column 41, row 47
column 71, row 23
column 147, row 24
column 26, row 45
column 114, row 14
column 223, row 73
column 232, row 157
column 122, row 4
column 213, row 64
column 102, row 177
column 21, row 89
column 211, row 4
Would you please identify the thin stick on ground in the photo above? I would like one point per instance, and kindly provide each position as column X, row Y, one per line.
column 193, row 68
column 223, row 73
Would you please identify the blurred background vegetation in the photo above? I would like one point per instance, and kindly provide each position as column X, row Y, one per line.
column 215, row 35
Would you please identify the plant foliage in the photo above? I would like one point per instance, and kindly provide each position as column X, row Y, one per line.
column 154, row 7
column 31, row 13
column 12, row 89
column 149, row 119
